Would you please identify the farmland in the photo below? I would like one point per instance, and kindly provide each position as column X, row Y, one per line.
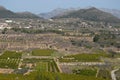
column 11, row 54
column 10, row 59
column 86, row 72
column 47, row 75
column 47, row 68
column 43, row 52
column 50, row 64
column 83, row 58
column 44, row 65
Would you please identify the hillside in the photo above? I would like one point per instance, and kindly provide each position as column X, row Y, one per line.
column 92, row 14
column 114, row 12
column 56, row 12
column 27, row 15
column 5, row 13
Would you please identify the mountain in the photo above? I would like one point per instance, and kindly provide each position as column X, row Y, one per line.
column 92, row 14
column 60, row 12
column 2, row 8
column 5, row 13
column 27, row 15
column 114, row 12
column 56, row 12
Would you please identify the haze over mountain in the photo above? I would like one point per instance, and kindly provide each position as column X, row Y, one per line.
column 27, row 15
column 92, row 14
column 114, row 12
column 60, row 12
column 56, row 12
column 5, row 13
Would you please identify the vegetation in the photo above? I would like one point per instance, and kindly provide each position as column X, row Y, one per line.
column 9, row 63
column 85, row 72
column 47, row 76
column 83, row 58
column 83, row 43
column 4, row 30
column 89, row 31
column 43, row 52
column 4, row 13
column 106, row 39
column 10, row 59
column 91, row 14
column 41, row 66
column 37, row 31
column 118, row 74
column 105, row 74
column 34, row 60
column 11, row 55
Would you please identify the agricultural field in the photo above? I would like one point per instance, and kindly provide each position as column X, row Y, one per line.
column 10, row 59
column 11, row 54
column 43, row 52
column 83, row 58
column 47, row 76
column 41, row 66
column 9, row 63
column 44, row 65
column 47, row 68
column 85, row 72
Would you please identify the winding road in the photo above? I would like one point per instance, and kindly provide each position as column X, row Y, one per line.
column 113, row 76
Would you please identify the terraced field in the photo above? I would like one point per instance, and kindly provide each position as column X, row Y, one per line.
column 47, row 76
column 11, row 54
column 47, row 68
column 10, row 59
column 44, row 65
column 43, row 52
column 83, row 58
column 9, row 63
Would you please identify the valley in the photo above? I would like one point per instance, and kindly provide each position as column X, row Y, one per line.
column 69, row 47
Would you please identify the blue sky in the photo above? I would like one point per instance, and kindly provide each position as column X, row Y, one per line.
column 39, row 6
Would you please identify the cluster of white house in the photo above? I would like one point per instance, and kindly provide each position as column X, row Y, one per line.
column 4, row 25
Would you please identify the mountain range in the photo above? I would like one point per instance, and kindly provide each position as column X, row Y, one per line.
column 92, row 13
column 60, row 11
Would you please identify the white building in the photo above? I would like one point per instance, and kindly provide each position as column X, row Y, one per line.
column 8, row 21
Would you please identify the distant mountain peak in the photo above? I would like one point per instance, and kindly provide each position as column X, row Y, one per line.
column 56, row 12
column 93, row 8
column 5, row 13
column 26, row 12
column 2, row 8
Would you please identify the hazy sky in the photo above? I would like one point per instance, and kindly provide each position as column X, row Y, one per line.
column 39, row 6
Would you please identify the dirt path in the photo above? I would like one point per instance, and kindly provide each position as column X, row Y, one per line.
column 57, row 63
column 113, row 76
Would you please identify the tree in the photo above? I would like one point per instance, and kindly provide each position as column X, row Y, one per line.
column 4, row 30
column 96, row 38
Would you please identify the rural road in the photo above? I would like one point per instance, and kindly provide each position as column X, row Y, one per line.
column 113, row 76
